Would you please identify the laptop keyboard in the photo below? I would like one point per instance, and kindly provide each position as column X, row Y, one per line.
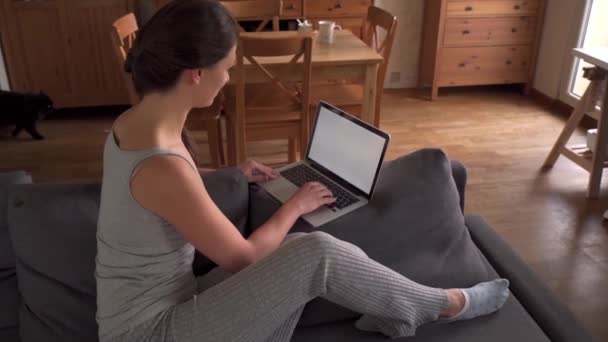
column 302, row 174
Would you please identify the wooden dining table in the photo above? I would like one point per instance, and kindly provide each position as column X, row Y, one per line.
column 347, row 59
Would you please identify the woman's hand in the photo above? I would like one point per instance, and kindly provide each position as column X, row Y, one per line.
column 256, row 172
column 310, row 197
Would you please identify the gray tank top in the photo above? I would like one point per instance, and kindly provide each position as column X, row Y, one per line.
column 143, row 265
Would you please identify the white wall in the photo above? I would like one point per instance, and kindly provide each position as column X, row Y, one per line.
column 406, row 49
column 560, row 30
column 3, row 76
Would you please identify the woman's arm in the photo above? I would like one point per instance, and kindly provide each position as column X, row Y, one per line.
column 167, row 186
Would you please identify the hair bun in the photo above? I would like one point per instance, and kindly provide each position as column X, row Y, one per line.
column 129, row 62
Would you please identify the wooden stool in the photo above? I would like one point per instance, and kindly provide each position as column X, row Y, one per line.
column 594, row 103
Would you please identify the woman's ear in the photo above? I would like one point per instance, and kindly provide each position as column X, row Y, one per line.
column 195, row 75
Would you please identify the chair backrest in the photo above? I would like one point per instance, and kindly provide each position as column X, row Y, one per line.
column 297, row 89
column 379, row 18
column 289, row 86
column 123, row 35
column 265, row 10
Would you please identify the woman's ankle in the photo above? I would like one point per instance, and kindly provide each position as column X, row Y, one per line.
column 456, row 302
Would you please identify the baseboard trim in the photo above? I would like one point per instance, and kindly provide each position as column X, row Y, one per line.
column 559, row 107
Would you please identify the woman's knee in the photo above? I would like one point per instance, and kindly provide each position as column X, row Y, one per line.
column 319, row 242
column 293, row 236
column 323, row 244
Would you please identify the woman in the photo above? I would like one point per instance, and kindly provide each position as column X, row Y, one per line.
column 155, row 212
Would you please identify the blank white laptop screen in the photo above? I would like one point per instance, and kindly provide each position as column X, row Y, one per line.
column 346, row 149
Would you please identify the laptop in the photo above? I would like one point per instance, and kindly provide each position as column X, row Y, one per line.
column 345, row 154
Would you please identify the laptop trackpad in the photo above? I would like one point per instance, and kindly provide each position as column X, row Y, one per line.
column 280, row 188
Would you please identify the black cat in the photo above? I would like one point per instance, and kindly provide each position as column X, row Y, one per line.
column 23, row 110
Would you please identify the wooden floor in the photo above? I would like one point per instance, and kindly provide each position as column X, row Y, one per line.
column 501, row 136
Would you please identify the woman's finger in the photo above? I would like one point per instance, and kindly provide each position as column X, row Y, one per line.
column 326, row 193
column 322, row 188
column 313, row 185
column 260, row 177
column 267, row 170
column 328, row 200
column 257, row 170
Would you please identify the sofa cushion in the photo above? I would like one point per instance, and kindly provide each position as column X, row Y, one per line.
column 229, row 190
column 9, row 334
column 52, row 228
column 7, row 256
column 9, row 294
column 413, row 225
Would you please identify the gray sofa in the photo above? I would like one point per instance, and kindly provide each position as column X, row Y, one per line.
column 414, row 224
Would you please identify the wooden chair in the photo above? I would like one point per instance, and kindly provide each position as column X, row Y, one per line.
column 250, row 10
column 123, row 39
column 209, row 119
column 350, row 96
column 273, row 109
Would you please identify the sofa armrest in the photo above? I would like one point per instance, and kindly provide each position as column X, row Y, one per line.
column 551, row 315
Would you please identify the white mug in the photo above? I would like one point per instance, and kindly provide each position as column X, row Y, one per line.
column 305, row 26
column 327, row 31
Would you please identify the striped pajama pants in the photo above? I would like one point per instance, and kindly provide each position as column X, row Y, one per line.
column 264, row 301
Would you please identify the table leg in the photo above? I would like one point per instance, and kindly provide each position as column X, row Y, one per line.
column 214, row 140
column 571, row 125
column 231, row 141
column 239, row 120
column 240, row 145
column 600, row 151
column 369, row 102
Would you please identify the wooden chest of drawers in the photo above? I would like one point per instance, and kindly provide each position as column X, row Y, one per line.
column 482, row 8
column 292, row 9
column 475, row 42
column 484, row 64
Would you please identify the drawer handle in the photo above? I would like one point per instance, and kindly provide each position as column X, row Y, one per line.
column 517, row 7
column 466, row 32
column 291, row 7
column 462, row 65
column 339, row 5
column 508, row 62
column 514, row 30
column 468, row 8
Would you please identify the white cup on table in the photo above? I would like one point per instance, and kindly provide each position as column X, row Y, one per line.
column 304, row 26
column 327, row 31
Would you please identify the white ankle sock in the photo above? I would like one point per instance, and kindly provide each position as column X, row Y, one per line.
column 482, row 299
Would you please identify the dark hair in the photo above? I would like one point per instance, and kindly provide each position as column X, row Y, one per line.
column 184, row 34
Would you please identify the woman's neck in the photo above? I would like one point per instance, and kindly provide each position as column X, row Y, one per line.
column 162, row 114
